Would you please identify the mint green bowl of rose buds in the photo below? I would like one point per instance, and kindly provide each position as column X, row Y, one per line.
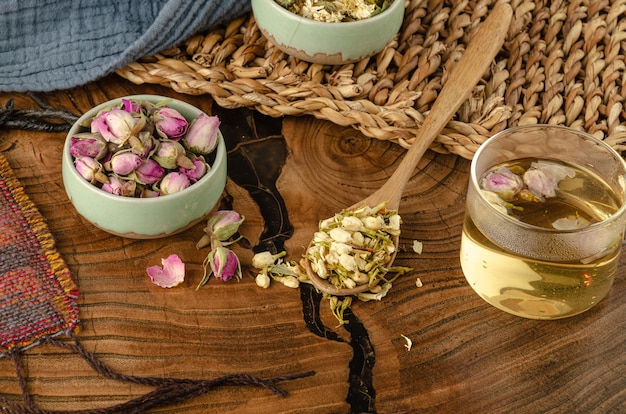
column 332, row 32
column 144, row 166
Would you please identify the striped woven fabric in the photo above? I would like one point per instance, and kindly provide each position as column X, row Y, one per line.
column 37, row 294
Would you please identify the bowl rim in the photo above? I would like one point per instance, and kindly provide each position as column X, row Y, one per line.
column 68, row 159
column 305, row 20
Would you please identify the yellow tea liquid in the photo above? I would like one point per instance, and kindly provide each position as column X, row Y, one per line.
column 539, row 289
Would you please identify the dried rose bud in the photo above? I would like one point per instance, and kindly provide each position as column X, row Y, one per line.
column 171, row 274
column 502, row 182
column 542, row 179
column 202, row 135
column 170, row 123
column 90, row 170
column 132, row 107
column 116, row 125
column 174, row 182
column 168, row 153
column 196, row 173
column 224, row 264
column 120, row 187
column 149, row 172
column 141, row 144
column 124, row 163
column 148, row 193
column 88, row 144
column 224, row 224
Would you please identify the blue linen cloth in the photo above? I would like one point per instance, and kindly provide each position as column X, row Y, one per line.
column 47, row 45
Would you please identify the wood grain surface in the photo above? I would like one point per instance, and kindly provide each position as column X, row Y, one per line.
column 285, row 175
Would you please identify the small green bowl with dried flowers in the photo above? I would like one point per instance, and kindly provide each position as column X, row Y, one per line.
column 144, row 166
column 329, row 32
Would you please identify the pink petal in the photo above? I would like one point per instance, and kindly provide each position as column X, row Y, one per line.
column 171, row 274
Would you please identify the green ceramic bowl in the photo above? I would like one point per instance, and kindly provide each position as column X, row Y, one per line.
column 144, row 218
column 327, row 43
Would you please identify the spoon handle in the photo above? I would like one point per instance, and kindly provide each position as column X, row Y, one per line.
column 466, row 73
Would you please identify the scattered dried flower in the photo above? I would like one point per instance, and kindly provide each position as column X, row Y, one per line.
column 418, row 246
column 409, row 343
column 339, row 306
column 171, row 274
column 272, row 267
column 264, row 259
column 262, row 280
column 222, row 225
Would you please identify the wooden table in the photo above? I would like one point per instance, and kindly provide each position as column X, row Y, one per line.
column 466, row 356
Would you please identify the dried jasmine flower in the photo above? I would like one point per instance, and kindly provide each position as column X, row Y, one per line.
column 355, row 247
column 339, row 306
column 335, row 11
column 272, row 267
column 409, row 343
column 418, row 246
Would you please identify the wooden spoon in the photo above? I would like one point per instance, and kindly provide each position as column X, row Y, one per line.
column 465, row 75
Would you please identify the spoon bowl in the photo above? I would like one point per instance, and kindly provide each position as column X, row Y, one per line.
column 465, row 75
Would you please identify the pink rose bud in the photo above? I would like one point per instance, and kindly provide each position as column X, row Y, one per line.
column 131, row 107
column 141, row 144
column 543, row 178
column 124, row 163
column 167, row 154
column 224, row 223
column 90, row 170
column 149, row 172
column 202, row 135
column 174, row 182
column 88, row 145
column 147, row 193
column 224, row 264
column 120, row 187
column 170, row 123
column 115, row 125
column 502, row 182
column 196, row 173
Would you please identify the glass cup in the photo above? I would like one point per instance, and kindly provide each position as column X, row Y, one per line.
column 544, row 221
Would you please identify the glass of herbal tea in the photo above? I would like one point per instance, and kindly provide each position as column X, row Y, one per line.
column 544, row 222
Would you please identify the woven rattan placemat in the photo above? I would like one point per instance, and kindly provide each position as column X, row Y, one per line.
column 563, row 62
